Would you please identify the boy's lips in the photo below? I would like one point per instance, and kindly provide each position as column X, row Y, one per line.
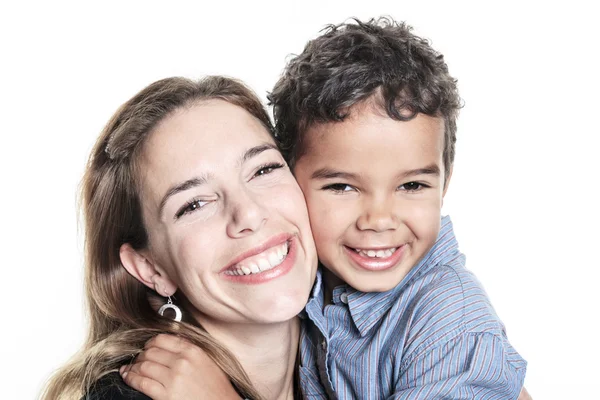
column 375, row 259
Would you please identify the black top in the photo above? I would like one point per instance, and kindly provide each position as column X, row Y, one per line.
column 112, row 387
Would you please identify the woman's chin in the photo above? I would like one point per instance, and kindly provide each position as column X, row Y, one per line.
column 277, row 309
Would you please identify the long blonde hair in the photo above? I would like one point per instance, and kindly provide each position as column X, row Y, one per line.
column 122, row 311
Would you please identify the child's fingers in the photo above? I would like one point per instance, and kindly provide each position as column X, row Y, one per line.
column 171, row 343
column 148, row 386
column 185, row 350
column 149, row 369
column 157, row 355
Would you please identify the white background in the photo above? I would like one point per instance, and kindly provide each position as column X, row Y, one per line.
column 523, row 197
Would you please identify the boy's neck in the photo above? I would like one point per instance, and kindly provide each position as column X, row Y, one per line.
column 267, row 352
column 330, row 282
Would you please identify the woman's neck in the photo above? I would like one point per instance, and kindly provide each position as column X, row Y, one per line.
column 267, row 353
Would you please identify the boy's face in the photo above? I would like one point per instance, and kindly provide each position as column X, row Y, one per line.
column 374, row 188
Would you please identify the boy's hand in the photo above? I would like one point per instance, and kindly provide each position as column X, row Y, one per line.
column 524, row 395
column 172, row 368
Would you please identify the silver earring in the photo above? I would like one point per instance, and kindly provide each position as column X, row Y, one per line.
column 170, row 305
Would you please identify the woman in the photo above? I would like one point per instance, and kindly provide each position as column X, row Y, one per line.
column 189, row 207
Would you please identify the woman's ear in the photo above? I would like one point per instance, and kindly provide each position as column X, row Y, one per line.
column 143, row 268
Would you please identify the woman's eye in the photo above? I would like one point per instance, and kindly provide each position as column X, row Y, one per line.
column 190, row 207
column 412, row 186
column 339, row 187
column 267, row 169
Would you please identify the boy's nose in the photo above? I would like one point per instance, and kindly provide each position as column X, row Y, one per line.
column 247, row 215
column 378, row 216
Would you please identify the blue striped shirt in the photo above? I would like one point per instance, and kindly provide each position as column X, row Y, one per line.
column 434, row 336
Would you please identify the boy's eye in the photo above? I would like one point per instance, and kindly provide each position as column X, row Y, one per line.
column 190, row 207
column 339, row 187
column 267, row 169
column 412, row 186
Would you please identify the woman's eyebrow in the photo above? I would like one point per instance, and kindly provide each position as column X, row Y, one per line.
column 180, row 187
column 256, row 150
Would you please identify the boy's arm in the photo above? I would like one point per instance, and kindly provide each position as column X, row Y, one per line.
column 171, row 368
column 472, row 365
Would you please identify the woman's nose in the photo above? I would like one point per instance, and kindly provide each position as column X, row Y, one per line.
column 247, row 216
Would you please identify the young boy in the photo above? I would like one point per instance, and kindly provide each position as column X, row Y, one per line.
column 366, row 116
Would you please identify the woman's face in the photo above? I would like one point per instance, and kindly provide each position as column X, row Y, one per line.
column 227, row 222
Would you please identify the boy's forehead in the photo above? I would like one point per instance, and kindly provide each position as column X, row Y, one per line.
column 373, row 148
column 363, row 126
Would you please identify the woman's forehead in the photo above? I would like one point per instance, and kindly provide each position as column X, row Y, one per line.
column 203, row 140
column 203, row 128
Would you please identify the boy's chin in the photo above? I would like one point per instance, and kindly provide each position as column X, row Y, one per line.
column 374, row 285
column 376, row 282
column 364, row 281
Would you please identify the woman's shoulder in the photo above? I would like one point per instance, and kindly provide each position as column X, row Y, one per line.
column 112, row 387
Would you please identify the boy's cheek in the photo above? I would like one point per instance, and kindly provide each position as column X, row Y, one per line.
column 423, row 219
column 319, row 214
column 315, row 201
column 427, row 208
column 326, row 217
column 325, row 207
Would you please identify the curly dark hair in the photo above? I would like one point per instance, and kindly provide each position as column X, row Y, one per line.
column 351, row 62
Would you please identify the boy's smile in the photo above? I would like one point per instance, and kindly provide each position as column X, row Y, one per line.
column 376, row 259
column 374, row 188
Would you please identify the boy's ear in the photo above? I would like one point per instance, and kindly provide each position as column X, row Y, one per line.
column 447, row 181
column 142, row 267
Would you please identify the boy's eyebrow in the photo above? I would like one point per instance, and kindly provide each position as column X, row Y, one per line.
column 201, row 180
column 432, row 169
column 327, row 173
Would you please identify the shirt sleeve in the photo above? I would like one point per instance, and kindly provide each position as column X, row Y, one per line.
column 470, row 366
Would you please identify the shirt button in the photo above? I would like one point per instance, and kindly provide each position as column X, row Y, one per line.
column 324, row 345
column 344, row 298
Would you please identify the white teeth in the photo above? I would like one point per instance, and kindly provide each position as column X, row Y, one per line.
column 377, row 253
column 274, row 258
column 268, row 260
column 282, row 251
column 263, row 264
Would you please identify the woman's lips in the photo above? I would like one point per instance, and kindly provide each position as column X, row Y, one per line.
column 271, row 242
column 266, row 265
column 381, row 260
